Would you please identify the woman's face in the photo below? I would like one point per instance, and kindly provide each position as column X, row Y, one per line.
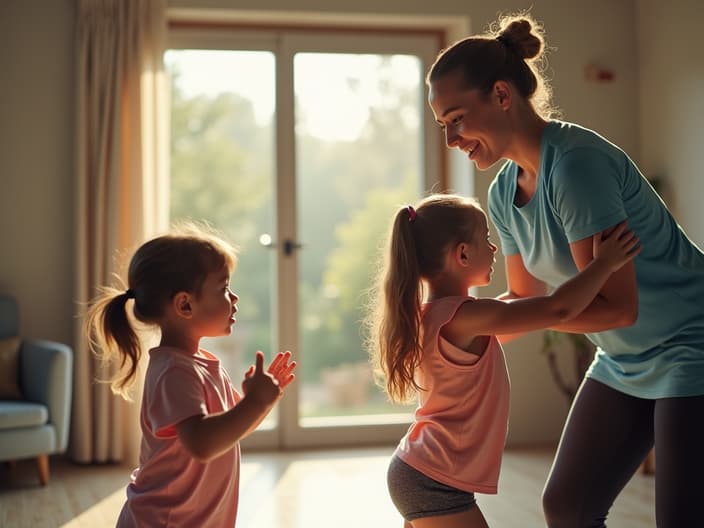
column 473, row 123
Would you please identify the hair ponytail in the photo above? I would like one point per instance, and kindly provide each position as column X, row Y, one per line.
column 398, row 332
column 415, row 251
column 111, row 337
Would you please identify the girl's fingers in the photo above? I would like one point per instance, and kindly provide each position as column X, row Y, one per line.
column 627, row 235
column 276, row 363
column 613, row 233
column 620, row 228
column 284, row 382
column 279, row 361
column 289, row 368
column 285, row 375
column 629, row 241
column 259, row 361
column 635, row 250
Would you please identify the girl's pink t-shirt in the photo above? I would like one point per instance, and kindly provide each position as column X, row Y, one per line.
column 461, row 423
column 170, row 487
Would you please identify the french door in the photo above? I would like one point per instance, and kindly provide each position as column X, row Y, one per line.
column 300, row 146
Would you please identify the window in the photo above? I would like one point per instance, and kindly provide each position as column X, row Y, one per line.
column 300, row 146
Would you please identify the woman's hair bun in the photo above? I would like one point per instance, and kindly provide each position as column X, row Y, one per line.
column 517, row 33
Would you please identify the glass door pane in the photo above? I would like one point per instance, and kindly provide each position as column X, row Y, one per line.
column 313, row 139
column 359, row 154
column 223, row 172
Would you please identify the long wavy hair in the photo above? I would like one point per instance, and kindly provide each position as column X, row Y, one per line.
column 160, row 268
column 416, row 250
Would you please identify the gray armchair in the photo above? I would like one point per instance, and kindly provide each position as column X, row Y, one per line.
column 37, row 425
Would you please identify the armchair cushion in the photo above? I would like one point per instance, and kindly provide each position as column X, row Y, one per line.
column 9, row 369
column 37, row 425
column 22, row 414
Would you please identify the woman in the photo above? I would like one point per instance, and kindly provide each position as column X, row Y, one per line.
column 564, row 184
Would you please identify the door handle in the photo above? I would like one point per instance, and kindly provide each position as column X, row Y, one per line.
column 289, row 246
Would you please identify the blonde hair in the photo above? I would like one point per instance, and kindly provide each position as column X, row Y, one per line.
column 160, row 268
column 416, row 249
column 513, row 50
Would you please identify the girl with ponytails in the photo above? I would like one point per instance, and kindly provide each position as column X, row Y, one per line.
column 432, row 341
column 192, row 417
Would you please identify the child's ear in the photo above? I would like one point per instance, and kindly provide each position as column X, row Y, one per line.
column 462, row 254
column 181, row 303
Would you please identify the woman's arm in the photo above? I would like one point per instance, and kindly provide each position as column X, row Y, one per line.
column 519, row 280
column 587, row 185
column 521, row 284
column 616, row 304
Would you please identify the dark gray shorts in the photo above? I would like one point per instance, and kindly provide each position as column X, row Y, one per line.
column 416, row 495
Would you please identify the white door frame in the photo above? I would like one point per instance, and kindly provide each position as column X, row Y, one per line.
column 284, row 45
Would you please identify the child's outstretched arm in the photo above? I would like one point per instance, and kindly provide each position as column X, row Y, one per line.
column 497, row 317
column 206, row 437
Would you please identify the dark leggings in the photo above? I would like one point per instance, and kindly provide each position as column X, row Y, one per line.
column 606, row 437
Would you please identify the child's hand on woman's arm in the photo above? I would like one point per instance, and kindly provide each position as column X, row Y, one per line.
column 616, row 247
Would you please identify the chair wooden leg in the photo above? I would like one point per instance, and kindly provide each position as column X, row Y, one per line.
column 43, row 469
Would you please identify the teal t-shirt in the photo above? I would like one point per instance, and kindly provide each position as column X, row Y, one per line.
column 585, row 185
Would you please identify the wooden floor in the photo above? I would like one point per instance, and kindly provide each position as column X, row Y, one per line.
column 341, row 489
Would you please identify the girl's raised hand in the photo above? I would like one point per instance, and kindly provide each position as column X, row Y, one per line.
column 281, row 369
column 617, row 247
column 259, row 384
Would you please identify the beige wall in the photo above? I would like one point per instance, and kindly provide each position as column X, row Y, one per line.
column 37, row 139
column 671, row 104
column 36, row 163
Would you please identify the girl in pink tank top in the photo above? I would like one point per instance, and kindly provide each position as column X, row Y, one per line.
column 192, row 417
column 432, row 342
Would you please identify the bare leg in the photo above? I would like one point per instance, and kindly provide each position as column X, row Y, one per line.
column 467, row 519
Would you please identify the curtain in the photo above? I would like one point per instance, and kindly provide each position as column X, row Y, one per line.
column 122, row 172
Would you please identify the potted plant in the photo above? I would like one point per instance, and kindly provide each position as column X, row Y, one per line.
column 554, row 343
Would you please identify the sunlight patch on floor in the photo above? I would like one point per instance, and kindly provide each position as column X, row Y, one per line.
column 349, row 493
column 95, row 515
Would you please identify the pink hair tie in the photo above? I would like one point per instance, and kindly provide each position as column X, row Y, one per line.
column 411, row 213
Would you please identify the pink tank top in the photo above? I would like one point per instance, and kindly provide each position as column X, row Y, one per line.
column 460, row 426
